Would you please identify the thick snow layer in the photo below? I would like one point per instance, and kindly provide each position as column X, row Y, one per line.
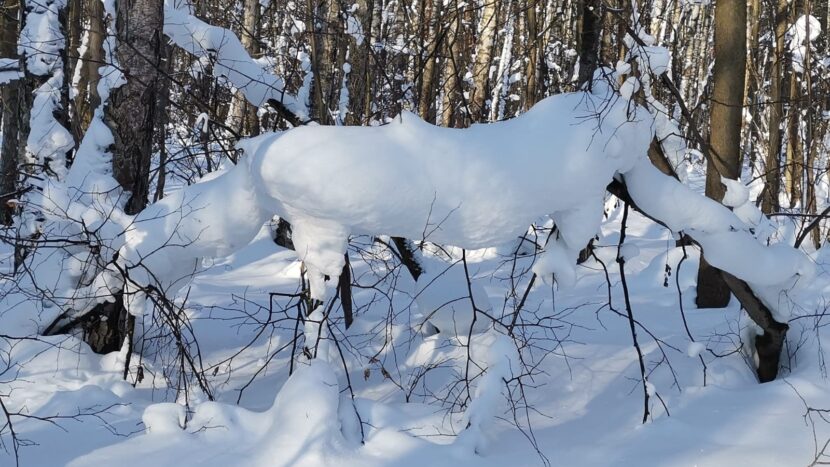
column 165, row 243
column 228, row 56
column 48, row 139
column 164, row 418
column 472, row 188
column 725, row 239
column 41, row 40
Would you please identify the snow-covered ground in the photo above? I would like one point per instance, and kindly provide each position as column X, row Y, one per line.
column 582, row 402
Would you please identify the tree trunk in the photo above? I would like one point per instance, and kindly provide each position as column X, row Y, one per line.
column 10, row 98
column 88, row 99
column 776, row 114
column 589, row 41
column 484, row 54
column 452, row 69
column 728, row 77
column 132, row 107
column 244, row 117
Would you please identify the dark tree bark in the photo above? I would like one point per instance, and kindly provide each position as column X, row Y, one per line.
column 132, row 108
column 132, row 116
column 728, row 75
column 589, row 40
column 10, row 98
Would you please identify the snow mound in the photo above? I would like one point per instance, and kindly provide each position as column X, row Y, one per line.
column 163, row 418
column 471, row 188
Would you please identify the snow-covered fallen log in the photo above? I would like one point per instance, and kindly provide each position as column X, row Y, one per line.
column 471, row 188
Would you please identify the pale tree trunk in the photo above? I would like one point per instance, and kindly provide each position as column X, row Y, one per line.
column 484, row 55
column 728, row 78
column 244, row 117
column 132, row 107
column 452, row 69
column 776, row 114
column 88, row 99
column 10, row 98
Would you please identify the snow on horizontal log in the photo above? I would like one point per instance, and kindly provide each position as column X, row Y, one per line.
column 214, row 217
column 472, row 188
column 724, row 238
column 229, row 58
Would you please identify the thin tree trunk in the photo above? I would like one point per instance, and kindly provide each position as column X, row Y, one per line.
column 87, row 99
column 484, row 54
column 244, row 115
column 770, row 203
column 589, row 41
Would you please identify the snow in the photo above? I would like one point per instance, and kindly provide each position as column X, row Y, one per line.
column 737, row 194
column 586, row 415
column 695, row 349
column 9, row 70
column 48, row 139
column 461, row 190
column 164, row 418
column 228, row 57
column 726, row 240
column 165, row 243
column 443, row 296
column 801, row 34
column 41, row 39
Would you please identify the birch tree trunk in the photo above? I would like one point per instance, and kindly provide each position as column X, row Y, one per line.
column 244, row 117
column 484, row 55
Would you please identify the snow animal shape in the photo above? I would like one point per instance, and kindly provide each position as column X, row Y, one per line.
column 471, row 188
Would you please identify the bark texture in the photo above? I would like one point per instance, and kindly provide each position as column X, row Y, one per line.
column 728, row 74
column 132, row 107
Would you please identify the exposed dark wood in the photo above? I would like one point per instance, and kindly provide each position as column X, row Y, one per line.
column 770, row 344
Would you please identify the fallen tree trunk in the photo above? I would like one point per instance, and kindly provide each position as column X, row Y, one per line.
column 769, row 345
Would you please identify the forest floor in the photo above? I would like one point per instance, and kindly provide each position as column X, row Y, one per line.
column 585, row 399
